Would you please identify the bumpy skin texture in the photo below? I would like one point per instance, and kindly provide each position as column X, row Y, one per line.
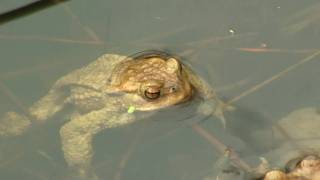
column 298, row 154
column 308, row 168
column 302, row 126
column 101, row 94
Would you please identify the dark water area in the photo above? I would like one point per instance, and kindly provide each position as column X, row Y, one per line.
column 259, row 56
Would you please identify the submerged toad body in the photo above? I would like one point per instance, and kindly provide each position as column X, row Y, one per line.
column 306, row 168
column 296, row 156
column 101, row 94
column 299, row 154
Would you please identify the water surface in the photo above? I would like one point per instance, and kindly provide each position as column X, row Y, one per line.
column 234, row 45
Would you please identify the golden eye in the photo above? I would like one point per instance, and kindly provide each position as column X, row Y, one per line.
column 152, row 93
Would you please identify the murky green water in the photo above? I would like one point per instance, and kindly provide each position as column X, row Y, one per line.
column 234, row 45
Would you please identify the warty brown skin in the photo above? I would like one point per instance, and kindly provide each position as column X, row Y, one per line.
column 101, row 94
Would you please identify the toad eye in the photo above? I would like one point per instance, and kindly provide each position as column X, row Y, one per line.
column 152, row 93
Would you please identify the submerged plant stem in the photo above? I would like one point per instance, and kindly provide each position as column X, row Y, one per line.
column 126, row 156
column 222, row 148
column 6, row 91
column 272, row 78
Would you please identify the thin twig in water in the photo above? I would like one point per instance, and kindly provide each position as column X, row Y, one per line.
column 160, row 36
column 35, row 174
column 274, row 77
column 13, row 98
column 206, row 42
column 50, row 39
column 14, row 159
column 46, row 156
column 222, row 148
column 126, row 156
column 269, row 80
column 35, row 68
column 217, row 39
column 87, row 29
column 231, row 86
column 285, row 134
column 268, row 50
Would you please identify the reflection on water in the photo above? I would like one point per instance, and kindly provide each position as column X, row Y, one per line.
column 261, row 56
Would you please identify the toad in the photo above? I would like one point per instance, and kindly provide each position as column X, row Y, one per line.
column 297, row 156
column 305, row 168
column 105, row 94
